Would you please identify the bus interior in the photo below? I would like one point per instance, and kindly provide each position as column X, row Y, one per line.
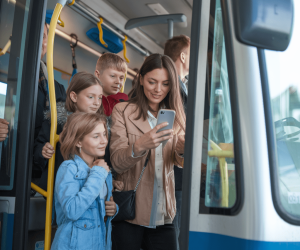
column 231, row 110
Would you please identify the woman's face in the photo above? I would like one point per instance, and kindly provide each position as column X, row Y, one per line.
column 156, row 85
column 88, row 100
column 93, row 144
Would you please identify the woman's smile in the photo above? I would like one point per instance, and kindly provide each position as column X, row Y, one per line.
column 156, row 96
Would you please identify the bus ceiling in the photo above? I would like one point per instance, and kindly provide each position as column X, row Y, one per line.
column 151, row 37
column 95, row 19
column 169, row 19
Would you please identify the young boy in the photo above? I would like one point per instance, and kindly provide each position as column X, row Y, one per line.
column 111, row 70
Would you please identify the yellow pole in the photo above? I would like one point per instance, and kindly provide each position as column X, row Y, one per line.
column 39, row 190
column 123, row 87
column 221, row 155
column 125, row 49
column 53, row 136
column 6, row 47
column 101, row 32
column 127, row 60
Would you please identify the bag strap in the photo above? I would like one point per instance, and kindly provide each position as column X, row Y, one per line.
column 141, row 175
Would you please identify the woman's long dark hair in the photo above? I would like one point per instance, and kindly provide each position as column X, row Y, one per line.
column 173, row 100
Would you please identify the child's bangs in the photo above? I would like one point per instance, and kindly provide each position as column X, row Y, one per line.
column 119, row 66
column 111, row 61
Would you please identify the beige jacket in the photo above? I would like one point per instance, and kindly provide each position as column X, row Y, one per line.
column 125, row 131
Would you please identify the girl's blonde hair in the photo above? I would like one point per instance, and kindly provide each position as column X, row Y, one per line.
column 78, row 125
column 79, row 82
column 111, row 60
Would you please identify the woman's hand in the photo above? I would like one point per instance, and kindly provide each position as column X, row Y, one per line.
column 119, row 185
column 47, row 151
column 152, row 139
column 180, row 144
column 110, row 207
column 101, row 163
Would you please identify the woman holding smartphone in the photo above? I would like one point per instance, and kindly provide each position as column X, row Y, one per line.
column 133, row 136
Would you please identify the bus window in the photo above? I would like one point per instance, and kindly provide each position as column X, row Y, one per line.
column 284, row 91
column 218, row 187
column 11, row 65
column 3, row 88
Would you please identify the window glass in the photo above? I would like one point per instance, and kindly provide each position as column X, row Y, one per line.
column 218, row 187
column 284, row 85
column 11, row 65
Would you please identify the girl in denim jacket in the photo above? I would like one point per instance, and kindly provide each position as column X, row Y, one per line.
column 83, row 187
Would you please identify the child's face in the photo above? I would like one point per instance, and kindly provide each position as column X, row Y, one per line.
column 88, row 100
column 93, row 144
column 112, row 80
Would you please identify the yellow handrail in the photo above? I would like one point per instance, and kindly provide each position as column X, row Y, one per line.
column 123, row 87
column 61, row 23
column 127, row 60
column 221, row 155
column 6, row 47
column 39, row 190
column 54, row 138
column 125, row 49
column 70, row 4
column 101, row 32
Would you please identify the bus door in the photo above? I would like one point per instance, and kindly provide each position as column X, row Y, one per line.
column 214, row 194
column 20, row 44
column 227, row 197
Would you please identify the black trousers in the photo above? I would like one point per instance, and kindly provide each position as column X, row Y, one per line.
column 127, row 236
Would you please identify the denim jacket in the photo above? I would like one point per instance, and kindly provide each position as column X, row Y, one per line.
column 79, row 210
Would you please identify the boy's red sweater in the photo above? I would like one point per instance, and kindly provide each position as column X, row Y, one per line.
column 110, row 101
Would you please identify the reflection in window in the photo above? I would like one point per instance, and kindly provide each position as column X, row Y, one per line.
column 284, row 84
column 6, row 21
column 11, row 65
column 218, row 187
column 3, row 88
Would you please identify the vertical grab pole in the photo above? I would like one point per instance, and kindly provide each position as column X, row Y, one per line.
column 170, row 28
column 221, row 155
column 53, row 136
column 123, row 87
column 126, row 59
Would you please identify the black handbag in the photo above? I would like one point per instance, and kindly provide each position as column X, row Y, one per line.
column 126, row 200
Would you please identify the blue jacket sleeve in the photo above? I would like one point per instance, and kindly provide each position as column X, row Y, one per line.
column 75, row 201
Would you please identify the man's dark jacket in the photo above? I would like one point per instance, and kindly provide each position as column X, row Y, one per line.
column 43, row 104
column 60, row 94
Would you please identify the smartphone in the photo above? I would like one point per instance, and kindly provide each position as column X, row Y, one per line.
column 166, row 115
